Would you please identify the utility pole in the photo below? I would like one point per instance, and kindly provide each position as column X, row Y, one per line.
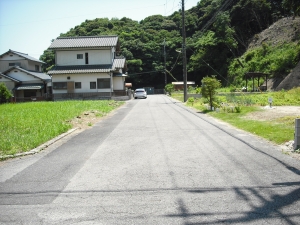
column 184, row 55
column 165, row 61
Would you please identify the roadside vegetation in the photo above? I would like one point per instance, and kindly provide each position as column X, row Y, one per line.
column 25, row 126
column 216, row 38
column 233, row 108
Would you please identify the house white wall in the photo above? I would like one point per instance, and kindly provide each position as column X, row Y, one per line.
column 85, row 80
column 8, row 83
column 24, row 77
column 4, row 64
column 32, row 64
column 24, row 63
column 118, row 83
column 95, row 57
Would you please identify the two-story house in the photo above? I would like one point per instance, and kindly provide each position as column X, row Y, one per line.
column 23, row 76
column 87, row 68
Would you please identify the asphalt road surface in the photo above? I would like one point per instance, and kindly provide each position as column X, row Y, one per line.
column 153, row 161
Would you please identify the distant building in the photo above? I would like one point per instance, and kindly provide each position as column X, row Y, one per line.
column 178, row 86
column 88, row 68
column 23, row 76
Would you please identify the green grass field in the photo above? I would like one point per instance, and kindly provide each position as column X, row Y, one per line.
column 25, row 126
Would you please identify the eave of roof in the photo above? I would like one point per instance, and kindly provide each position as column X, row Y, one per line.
column 84, row 42
column 42, row 76
column 29, row 87
column 11, row 78
column 24, row 55
column 80, row 69
column 120, row 75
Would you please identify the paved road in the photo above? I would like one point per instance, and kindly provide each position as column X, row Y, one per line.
column 153, row 162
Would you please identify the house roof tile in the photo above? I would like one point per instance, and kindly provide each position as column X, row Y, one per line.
column 80, row 69
column 42, row 76
column 119, row 63
column 24, row 55
column 8, row 77
column 84, row 42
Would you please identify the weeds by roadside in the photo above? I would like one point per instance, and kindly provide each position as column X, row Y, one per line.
column 234, row 108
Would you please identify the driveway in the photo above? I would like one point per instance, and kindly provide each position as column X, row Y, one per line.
column 153, row 161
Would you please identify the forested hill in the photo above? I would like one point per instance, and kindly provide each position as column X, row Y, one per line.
column 218, row 33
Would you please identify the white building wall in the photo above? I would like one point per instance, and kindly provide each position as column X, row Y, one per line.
column 11, row 56
column 85, row 80
column 95, row 57
column 118, row 83
column 8, row 83
column 32, row 64
column 20, row 75
column 4, row 64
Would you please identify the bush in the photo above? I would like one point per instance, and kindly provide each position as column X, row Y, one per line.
column 169, row 88
column 5, row 94
column 191, row 100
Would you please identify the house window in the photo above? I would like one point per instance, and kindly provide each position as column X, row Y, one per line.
column 79, row 56
column 77, row 85
column 103, row 83
column 14, row 64
column 86, row 58
column 37, row 68
column 92, row 85
column 59, row 85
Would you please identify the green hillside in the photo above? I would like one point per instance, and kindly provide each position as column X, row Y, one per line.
column 218, row 33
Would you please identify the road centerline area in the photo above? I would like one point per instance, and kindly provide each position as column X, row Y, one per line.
column 155, row 162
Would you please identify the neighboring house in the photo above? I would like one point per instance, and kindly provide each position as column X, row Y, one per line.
column 179, row 85
column 22, row 75
column 87, row 68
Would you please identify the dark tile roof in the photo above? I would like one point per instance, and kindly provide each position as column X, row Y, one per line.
column 8, row 77
column 80, row 69
column 84, row 42
column 24, row 55
column 117, row 64
column 42, row 76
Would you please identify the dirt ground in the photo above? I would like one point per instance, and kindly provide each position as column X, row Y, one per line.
column 277, row 112
column 86, row 120
column 272, row 113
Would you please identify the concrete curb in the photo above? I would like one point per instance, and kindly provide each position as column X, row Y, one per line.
column 39, row 148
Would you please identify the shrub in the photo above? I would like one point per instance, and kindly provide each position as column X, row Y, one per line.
column 191, row 100
column 5, row 94
column 169, row 88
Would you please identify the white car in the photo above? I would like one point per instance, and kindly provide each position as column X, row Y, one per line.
column 140, row 93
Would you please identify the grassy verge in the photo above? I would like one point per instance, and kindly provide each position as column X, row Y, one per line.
column 25, row 126
column 278, row 130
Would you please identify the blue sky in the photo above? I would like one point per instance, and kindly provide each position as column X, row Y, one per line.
column 28, row 26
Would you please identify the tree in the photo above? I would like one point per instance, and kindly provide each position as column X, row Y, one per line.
column 209, row 89
column 5, row 94
column 293, row 6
